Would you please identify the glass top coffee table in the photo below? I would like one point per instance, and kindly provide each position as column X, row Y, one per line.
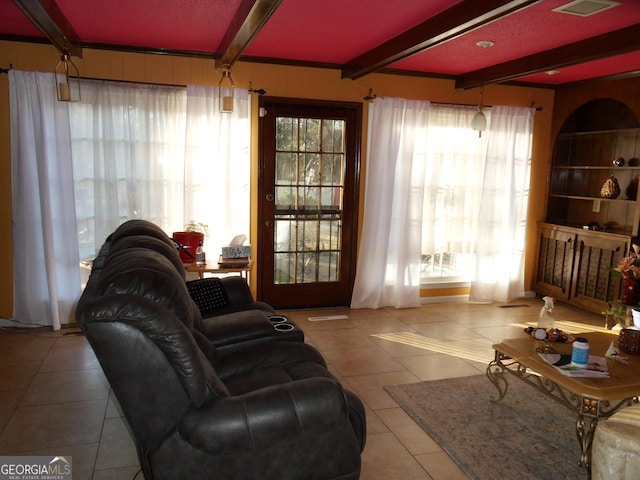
column 591, row 398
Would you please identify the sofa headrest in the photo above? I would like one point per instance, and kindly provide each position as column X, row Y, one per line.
column 151, row 243
column 144, row 272
column 165, row 330
column 140, row 227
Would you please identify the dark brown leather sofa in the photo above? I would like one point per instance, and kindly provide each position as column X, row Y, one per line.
column 260, row 410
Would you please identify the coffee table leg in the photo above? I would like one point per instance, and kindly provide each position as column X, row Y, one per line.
column 585, row 428
column 495, row 374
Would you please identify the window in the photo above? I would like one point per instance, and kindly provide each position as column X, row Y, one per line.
column 161, row 153
column 453, row 182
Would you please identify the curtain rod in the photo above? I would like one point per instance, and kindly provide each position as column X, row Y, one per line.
column 538, row 109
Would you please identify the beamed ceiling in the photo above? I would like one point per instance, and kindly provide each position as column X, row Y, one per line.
column 533, row 43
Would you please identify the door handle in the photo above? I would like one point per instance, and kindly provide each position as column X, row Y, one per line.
column 269, row 197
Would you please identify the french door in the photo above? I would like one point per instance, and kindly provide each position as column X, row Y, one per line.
column 307, row 214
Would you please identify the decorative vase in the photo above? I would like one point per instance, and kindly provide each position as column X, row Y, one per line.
column 610, row 188
column 630, row 291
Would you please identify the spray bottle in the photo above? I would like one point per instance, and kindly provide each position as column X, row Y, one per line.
column 545, row 320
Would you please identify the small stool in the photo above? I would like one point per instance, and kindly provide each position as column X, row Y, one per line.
column 615, row 453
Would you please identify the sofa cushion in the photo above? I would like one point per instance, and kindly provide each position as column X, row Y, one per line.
column 151, row 243
column 140, row 227
column 209, row 294
column 167, row 332
column 144, row 272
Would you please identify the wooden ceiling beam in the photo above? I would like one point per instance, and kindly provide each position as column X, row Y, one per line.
column 247, row 22
column 606, row 45
column 447, row 25
column 47, row 16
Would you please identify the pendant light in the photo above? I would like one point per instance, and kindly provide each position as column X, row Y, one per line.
column 67, row 80
column 479, row 121
column 226, row 90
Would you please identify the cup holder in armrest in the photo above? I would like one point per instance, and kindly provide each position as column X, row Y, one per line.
column 283, row 327
column 277, row 319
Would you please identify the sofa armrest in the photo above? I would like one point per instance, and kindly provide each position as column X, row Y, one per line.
column 266, row 355
column 262, row 418
column 237, row 290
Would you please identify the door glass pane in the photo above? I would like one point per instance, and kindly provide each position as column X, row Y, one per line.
column 308, row 205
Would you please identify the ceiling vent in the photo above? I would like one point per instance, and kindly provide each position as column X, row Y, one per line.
column 585, row 8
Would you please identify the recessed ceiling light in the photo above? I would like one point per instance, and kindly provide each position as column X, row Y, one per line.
column 485, row 44
column 552, row 72
column 584, row 8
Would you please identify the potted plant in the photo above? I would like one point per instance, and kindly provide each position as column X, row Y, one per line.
column 628, row 269
column 617, row 315
column 189, row 239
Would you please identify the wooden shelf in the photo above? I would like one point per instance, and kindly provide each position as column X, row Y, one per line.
column 592, row 167
column 578, row 197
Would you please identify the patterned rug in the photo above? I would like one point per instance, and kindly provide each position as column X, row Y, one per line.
column 525, row 436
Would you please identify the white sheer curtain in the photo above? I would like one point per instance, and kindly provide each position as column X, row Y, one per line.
column 452, row 187
column 128, row 158
column 217, row 168
column 45, row 242
column 388, row 270
column 503, row 207
column 134, row 151
column 411, row 200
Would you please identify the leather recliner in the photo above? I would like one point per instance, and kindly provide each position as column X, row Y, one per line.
column 231, row 317
column 267, row 411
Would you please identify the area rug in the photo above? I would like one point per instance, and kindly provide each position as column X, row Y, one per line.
column 525, row 436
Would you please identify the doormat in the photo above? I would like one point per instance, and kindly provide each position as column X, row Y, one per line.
column 327, row 317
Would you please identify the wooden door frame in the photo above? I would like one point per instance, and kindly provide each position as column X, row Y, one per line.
column 351, row 238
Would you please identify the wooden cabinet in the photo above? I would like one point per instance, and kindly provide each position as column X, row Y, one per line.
column 585, row 232
column 582, row 163
column 573, row 265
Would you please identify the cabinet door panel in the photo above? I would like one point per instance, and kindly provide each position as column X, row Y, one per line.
column 594, row 286
column 555, row 261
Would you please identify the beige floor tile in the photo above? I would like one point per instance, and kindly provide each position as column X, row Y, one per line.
column 117, row 448
column 74, row 356
column 436, row 367
column 66, row 386
column 374, row 423
column 49, row 426
column 370, row 388
column 399, row 343
column 9, row 400
column 441, row 467
column 408, row 432
column 18, row 374
column 342, row 339
column 25, row 344
column 445, row 331
column 124, row 473
column 362, row 362
column 385, row 457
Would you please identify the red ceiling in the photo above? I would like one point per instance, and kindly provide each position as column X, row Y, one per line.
column 336, row 31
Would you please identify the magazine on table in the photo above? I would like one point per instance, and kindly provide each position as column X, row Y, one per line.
column 596, row 366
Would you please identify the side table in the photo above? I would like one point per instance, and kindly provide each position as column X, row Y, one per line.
column 216, row 268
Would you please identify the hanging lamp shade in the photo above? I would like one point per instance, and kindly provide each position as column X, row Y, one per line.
column 479, row 121
column 226, row 90
column 67, row 80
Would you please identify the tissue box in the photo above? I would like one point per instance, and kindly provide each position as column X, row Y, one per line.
column 242, row 251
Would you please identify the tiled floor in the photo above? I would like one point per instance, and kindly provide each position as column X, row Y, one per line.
column 54, row 399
